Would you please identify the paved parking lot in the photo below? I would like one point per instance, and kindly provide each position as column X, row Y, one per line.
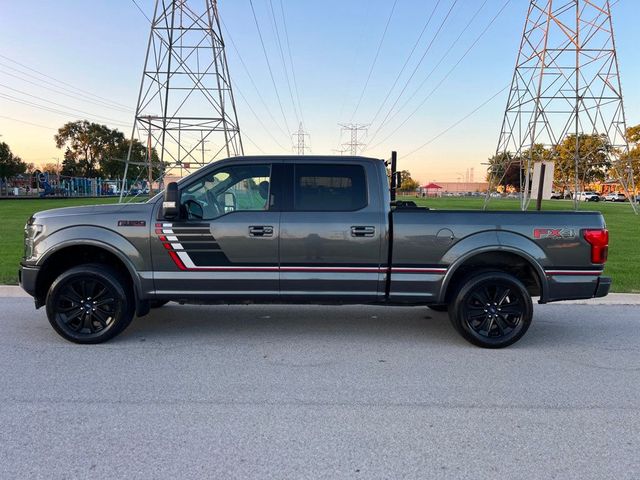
column 321, row 392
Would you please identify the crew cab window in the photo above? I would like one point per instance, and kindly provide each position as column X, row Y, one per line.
column 229, row 189
column 331, row 188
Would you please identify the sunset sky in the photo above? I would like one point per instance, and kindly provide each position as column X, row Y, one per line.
column 97, row 48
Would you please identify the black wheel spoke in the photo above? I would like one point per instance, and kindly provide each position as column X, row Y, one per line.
column 503, row 296
column 105, row 302
column 500, row 324
column 102, row 318
column 73, row 313
column 87, row 323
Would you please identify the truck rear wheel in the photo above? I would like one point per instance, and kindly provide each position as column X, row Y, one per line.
column 492, row 310
column 89, row 304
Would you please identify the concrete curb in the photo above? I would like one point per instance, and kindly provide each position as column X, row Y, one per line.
column 12, row 291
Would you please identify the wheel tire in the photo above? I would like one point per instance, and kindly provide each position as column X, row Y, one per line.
column 438, row 308
column 158, row 303
column 89, row 304
column 492, row 310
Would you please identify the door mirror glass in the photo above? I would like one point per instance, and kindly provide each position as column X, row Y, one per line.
column 228, row 201
column 170, row 207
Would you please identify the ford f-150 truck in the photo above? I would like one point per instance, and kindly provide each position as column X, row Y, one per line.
column 306, row 229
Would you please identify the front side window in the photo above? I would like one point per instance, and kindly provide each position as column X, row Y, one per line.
column 229, row 189
column 331, row 188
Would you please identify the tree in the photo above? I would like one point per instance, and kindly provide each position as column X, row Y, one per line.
column 593, row 162
column 10, row 164
column 87, row 144
column 505, row 170
column 112, row 165
column 407, row 184
column 50, row 168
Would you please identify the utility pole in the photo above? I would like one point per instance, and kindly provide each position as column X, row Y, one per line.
column 355, row 130
column 149, row 157
column 566, row 84
column 186, row 81
column 299, row 145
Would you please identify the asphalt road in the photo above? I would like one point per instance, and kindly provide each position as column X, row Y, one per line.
column 277, row 392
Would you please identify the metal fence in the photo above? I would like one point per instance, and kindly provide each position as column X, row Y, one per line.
column 41, row 185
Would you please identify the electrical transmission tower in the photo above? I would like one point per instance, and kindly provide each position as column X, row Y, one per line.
column 300, row 137
column 354, row 144
column 566, row 85
column 185, row 100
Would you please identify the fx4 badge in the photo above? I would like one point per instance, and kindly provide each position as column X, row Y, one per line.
column 554, row 233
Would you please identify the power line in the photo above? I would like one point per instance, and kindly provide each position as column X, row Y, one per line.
column 415, row 69
column 55, row 103
column 27, row 123
column 266, row 56
column 293, row 70
column 458, row 122
column 389, row 117
column 141, row 11
column 63, row 82
column 257, row 116
column 406, row 62
column 284, row 63
column 253, row 83
column 80, row 98
column 375, row 59
column 11, row 98
column 447, row 75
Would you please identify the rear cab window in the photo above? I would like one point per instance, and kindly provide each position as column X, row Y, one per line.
column 329, row 188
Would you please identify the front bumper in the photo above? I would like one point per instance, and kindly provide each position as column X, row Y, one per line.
column 27, row 277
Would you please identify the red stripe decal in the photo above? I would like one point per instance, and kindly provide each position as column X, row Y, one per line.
column 177, row 261
column 574, row 272
column 418, row 270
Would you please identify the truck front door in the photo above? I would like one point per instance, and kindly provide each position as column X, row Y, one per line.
column 226, row 243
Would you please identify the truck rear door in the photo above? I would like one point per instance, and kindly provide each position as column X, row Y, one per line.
column 331, row 234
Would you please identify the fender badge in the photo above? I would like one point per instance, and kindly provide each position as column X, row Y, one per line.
column 554, row 233
column 132, row 223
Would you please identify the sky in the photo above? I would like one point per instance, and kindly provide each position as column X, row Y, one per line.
column 95, row 49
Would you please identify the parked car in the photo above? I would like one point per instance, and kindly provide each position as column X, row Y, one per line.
column 615, row 197
column 306, row 230
column 588, row 197
column 557, row 195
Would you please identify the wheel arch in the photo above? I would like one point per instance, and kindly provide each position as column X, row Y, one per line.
column 71, row 253
column 505, row 258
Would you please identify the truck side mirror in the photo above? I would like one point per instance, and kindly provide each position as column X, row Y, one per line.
column 170, row 207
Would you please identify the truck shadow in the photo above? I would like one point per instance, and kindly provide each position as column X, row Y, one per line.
column 184, row 323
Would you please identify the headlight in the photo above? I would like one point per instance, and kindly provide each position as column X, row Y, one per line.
column 31, row 231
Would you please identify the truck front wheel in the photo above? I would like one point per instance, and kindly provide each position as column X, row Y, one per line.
column 89, row 304
column 492, row 310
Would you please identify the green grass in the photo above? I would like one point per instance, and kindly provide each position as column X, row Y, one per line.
column 624, row 250
column 13, row 216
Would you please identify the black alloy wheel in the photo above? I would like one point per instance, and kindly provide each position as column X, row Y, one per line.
column 492, row 310
column 89, row 304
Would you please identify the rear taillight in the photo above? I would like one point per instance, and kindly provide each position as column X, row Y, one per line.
column 599, row 241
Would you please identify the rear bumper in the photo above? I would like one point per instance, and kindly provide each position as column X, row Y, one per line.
column 576, row 287
column 604, row 284
column 27, row 277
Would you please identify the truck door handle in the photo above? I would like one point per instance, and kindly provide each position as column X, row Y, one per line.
column 363, row 231
column 261, row 231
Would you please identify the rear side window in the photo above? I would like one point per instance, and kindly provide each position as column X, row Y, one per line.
column 333, row 188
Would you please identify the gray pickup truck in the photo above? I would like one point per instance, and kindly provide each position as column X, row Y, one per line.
column 319, row 230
